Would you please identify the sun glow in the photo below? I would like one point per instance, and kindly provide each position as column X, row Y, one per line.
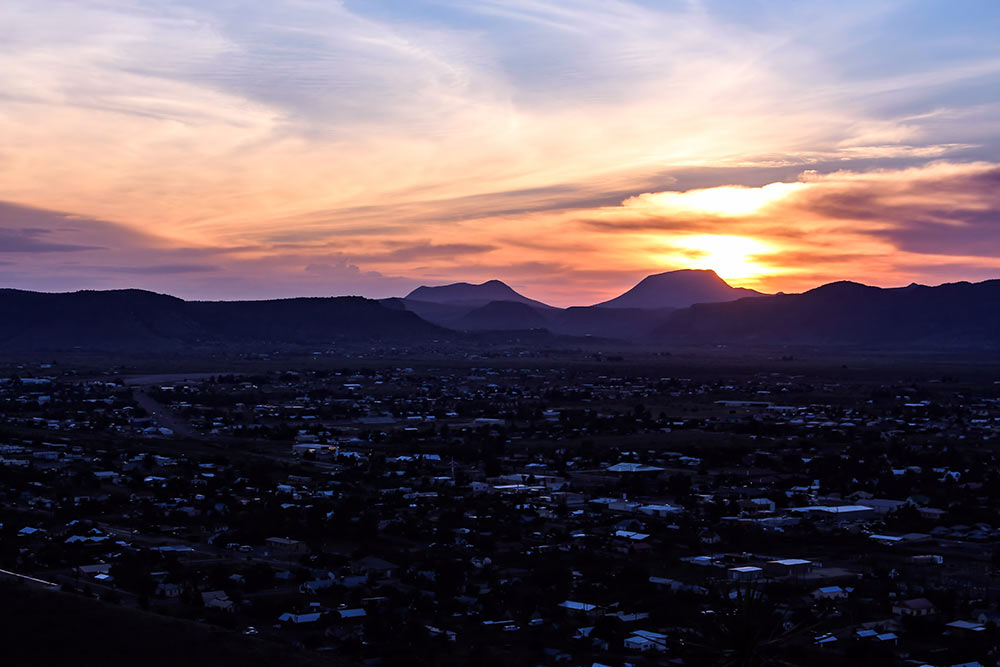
column 725, row 200
column 731, row 257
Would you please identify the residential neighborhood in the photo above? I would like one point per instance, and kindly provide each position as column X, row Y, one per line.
column 520, row 510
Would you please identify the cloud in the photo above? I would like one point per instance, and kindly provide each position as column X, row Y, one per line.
column 31, row 228
column 941, row 209
column 211, row 124
column 160, row 269
column 29, row 241
column 423, row 251
column 456, row 140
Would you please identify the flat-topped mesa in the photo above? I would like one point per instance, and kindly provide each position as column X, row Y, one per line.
column 678, row 289
column 469, row 294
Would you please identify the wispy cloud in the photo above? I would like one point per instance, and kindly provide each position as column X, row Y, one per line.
column 33, row 240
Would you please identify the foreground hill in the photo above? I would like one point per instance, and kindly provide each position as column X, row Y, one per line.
column 136, row 320
column 849, row 314
column 53, row 628
column 678, row 289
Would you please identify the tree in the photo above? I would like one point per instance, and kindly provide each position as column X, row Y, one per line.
column 747, row 630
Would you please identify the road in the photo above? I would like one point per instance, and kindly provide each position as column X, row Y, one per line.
column 41, row 583
column 161, row 414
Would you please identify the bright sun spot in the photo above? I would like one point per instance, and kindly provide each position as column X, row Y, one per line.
column 725, row 200
column 732, row 257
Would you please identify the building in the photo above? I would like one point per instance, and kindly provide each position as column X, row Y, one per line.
column 287, row 545
column 745, row 573
column 914, row 607
column 217, row 600
column 787, row 567
column 645, row 640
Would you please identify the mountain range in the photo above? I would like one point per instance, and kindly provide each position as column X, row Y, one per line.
column 140, row 321
column 675, row 308
column 637, row 313
column 953, row 315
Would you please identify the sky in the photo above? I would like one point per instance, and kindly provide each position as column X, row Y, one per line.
column 215, row 149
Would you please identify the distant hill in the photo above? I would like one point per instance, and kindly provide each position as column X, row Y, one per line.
column 442, row 314
column 471, row 295
column 504, row 316
column 619, row 323
column 678, row 289
column 136, row 320
column 849, row 314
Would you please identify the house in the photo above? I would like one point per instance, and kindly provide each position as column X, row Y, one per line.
column 630, row 617
column 964, row 627
column 287, row 545
column 787, row 567
column 706, row 536
column 92, row 570
column 674, row 585
column 354, row 581
column 299, row 619
column 884, row 505
column 745, row 573
column 836, row 513
column 317, row 585
column 626, row 468
column 660, row 510
column 757, row 505
column 830, row 593
column 580, row 607
column 168, row 590
column 644, row 640
column 378, row 566
column 217, row 600
column 914, row 607
column 631, row 535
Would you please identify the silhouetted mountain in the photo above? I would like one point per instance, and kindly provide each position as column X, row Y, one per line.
column 849, row 314
column 495, row 306
column 839, row 314
column 471, row 295
column 442, row 314
column 678, row 289
column 503, row 316
column 136, row 320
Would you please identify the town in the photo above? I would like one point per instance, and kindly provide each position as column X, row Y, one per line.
column 575, row 507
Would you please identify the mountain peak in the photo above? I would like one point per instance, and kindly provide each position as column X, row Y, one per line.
column 688, row 272
column 470, row 294
column 706, row 276
column 678, row 289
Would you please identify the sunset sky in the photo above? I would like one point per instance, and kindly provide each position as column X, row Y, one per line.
column 220, row 149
